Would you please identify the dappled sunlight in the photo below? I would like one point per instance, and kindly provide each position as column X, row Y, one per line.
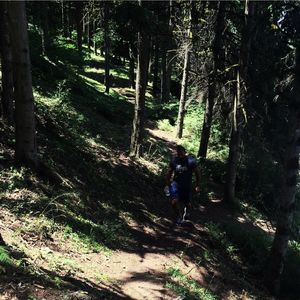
column 89, row 221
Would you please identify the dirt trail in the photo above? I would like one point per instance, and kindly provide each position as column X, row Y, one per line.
column 143, row 274
column 139, row 271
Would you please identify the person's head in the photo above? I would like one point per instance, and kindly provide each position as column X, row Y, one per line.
column 180, row 151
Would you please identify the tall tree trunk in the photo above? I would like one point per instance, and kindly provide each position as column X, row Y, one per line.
column 131, row 66
column 89, row 32
column 163, row 74
column 94, row 37
column 165, row 46
column 184, row 82
column 26, row 150
column 106, row 46
column 69, row 20
column 63, row 18
column 143, row 44
column 170, row 60
column 183, row 94
column 208, row 116
column 79, row 22
column 6, row 65
column 287, row 197
column 218, row 57
column 234, row 146
column 155, row 68
column 150, row 64
column 237, row 126
column 45, row 34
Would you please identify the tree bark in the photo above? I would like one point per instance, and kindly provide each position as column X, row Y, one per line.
column 208, row 116
column 26, row 149
column 218, row 66
column 163, row 74
column 94, row 37
column 107, row 47
column 89, row 32
column 131, row 66
column 184, row 83
column 237, row 126
column 165, row 47
column 69, row 20
column 137, row 136
column 6, row 66
column 63, row 19
column 287, row 197
column 234, row 145
column 45, row 34
column 155, row 68
column 79, row 22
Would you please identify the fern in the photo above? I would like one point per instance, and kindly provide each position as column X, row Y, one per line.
column 4, row 257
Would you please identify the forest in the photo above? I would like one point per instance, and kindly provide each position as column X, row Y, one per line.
column 95, row 97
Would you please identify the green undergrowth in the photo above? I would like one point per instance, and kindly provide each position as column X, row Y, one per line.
column 250, row 246
column 5, row 259
column 187, row 288
column 81, row 133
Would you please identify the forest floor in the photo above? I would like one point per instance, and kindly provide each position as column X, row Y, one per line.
column 162, row 262
column 100, row 227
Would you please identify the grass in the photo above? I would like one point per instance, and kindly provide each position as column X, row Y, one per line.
column 186, row 287
column 5, row 259
column 79, row 130
column 217, row 234
column 81, row 134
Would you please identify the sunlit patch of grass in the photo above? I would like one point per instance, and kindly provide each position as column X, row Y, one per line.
column 58, row 262
column 102, row 278
column 186, row 287
column 217, row 234
column 94, row 70
column 165, row 125
column 252, row 213
column 119, row 73
column 83, row 243
column 94, row 83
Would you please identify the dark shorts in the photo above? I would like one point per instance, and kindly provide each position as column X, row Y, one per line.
column 183, row 194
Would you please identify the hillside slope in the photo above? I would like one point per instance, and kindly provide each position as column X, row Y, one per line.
column 101, row 227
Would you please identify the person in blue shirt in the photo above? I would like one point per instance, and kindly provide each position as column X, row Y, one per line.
column 179, row 182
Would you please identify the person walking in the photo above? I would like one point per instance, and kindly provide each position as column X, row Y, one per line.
column 179, row 183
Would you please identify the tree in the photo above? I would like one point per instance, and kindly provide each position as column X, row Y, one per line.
column 287, row 197
column 238, row 105
column 289, row 94
column 165, row 47
column 6, row 65
column 183, row 94
column 143, row 46
column 184, row 83
column 155, row 89
column 44, row 24
column 79, row 21
column 106, row 46
column 131, row 65
column 25, row 149
column 218, row 62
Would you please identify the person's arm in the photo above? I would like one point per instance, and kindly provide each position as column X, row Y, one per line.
column 197, row 174
column 169, row 176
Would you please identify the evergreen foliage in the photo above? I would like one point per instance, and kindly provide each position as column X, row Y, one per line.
column 61, row 150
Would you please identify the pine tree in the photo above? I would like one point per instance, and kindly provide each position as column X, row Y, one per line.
column 26, row 149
